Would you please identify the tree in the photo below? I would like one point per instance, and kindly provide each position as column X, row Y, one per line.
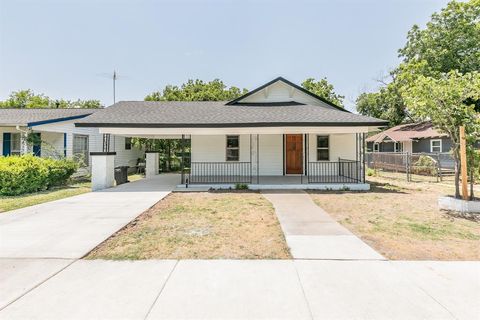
column 197, row 90
column 442, row 100
column 386, row 104
column 324, row 89
column 450, row 41
column 192, row 90
column 26, row 99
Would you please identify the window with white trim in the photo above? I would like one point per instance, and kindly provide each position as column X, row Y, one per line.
column 376, row 147
column 397, row 147
column 233, row 148
column 435, row 145
column 15, row 144
column 323, row 148
column 80, row 149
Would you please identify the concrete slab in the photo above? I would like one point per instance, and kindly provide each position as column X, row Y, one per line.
column 95, row 289
column 454, row 284
column 311, row 233
column 18, row 276
column 329, row 247
column 226, row 289
column 71, row 227
column 364, row 290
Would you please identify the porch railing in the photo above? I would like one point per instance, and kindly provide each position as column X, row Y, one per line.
column 219, row 172
column 342, row 171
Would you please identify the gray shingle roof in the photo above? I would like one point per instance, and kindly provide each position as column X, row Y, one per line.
column 25, row 117
column 171, row 114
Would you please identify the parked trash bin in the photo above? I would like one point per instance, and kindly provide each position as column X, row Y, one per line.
column 121, row 174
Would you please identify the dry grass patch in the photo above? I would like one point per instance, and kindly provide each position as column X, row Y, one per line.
column 200, row 226
column 402, row 221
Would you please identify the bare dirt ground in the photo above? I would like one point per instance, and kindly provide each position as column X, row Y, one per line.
column 401, row 220
column 227, row 225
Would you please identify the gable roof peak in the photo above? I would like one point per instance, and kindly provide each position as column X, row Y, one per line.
column 291, row 84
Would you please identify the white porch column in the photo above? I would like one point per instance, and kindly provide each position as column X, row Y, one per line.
column 103, row 170
column 152, row 163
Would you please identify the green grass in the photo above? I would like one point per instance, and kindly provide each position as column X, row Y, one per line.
column 8, row 203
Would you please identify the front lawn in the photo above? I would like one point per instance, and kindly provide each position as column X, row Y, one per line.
column 226, row 225
column 401, row 221
column 8, row 203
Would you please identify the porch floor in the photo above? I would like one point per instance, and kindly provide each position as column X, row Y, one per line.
column 277, row 182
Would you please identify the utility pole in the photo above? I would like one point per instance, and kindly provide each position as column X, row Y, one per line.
column 463, row 162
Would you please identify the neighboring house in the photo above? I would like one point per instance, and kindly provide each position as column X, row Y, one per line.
column 57, row 136
column 419, row 137
column 276, row 134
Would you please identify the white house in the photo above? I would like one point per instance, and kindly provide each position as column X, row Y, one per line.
column 276, row 135
column 57, row 136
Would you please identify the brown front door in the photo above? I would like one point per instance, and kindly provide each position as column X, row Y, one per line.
column 293, row 153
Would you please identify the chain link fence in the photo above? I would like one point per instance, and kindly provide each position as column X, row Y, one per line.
column 412, row 166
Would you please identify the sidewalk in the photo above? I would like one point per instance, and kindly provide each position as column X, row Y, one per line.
column 254, row 289
column 311, row 233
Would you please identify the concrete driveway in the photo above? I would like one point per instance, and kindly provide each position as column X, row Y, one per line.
column 39, row 241
column 71, row 227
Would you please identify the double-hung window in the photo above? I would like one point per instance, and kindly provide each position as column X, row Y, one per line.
column 80, row 149
column 323, row 148
column 376, row 147
column 128, row 143
column 233, row 148
column 15, row 144
column 435, row 145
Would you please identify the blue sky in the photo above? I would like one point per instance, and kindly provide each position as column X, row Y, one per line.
column 62, row 48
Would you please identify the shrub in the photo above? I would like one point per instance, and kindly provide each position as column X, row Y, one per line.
column 371, row 172
column 425, row 165
column 241, row 186
column 24, row 174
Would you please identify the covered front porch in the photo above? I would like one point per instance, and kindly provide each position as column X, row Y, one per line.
column 327, row 158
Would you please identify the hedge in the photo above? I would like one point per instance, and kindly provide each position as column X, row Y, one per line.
column 27, row 173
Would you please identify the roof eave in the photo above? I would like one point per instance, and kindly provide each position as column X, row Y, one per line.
column 233, row 125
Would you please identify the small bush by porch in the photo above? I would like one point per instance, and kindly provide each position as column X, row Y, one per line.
column 220, row 225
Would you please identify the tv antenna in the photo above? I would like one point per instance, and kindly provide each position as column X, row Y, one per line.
column 114, row 76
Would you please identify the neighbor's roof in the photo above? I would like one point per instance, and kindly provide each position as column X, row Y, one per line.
column 408, row 132
column 33, row 117
column 205, row 114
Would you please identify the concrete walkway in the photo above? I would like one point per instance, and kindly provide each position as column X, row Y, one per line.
column 37, row 242
column 254, row 289
column 311, row 233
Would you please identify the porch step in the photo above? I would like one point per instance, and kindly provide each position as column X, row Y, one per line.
column 181, row 188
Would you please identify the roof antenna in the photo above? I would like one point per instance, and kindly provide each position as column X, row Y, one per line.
column 114, row 76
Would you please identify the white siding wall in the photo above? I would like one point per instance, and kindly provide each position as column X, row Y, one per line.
column 271, row 154
column 211, row 148
column 281, row 92
column 341, row 146
column 124, row 157
column 52, row 134
column 7, row 129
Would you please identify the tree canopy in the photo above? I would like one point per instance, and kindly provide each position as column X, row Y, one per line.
column 442, row 100
column 450, row 41
column 26, row 99
column 324, row 89
column 197, row 90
